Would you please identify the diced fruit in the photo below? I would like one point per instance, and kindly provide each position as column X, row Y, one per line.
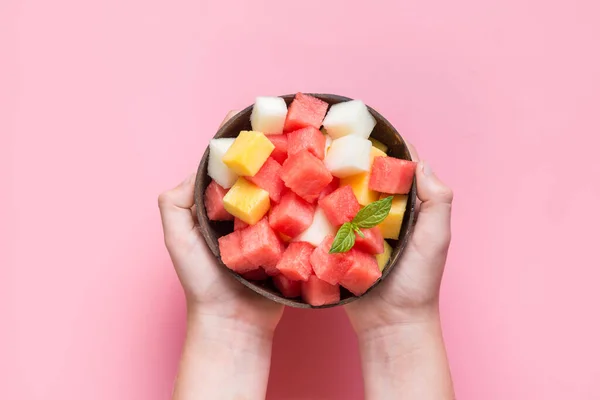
column 375, row 152
column 377, row 144
column 318, row 230
column 308, row 138
column 340, row 206
column 304, row 111
column 217, row 170
column 319, row 293
column 362, row 274
column 239, row 224
column 287, row 287
column 248, row 153
column 392, row 175
column 292, row 215
column 333, row 185
column 372, row 243
column 269, row 179
column 247, row 201
column 329, row 267
column 213, row 201
column 256, row 275
column 261, row 246
column 360, row 182
column 390, row 227
column 280, row 142
column 232, row 257
column 285, row 238
column 328, row 141
column 295, row 262
column 348, row 155
column 268, row 115
column 383, row 258
column 305, row 175
column 349, row 118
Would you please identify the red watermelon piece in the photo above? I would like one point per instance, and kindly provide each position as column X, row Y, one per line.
column 340, row 206
column 292, row 215
column 333, row 185
column 372, row 243
column 362, row 274
column 304, row 111
column 309, row 138
column 280, row 152
column 239, row 224
column 329, row 267
column 261, row 246
column 213, row 201
column 305, row 175
column 232, row 257
column 287, row 287
column 256, row 275
column 319, row 293
column 295, row 262
column 392, row 175
column 268, row 178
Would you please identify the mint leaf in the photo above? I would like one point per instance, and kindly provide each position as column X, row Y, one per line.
column 344, row 239
column 358, row 231
column 374, row 213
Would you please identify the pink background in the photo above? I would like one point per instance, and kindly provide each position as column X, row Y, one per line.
column 105, row 103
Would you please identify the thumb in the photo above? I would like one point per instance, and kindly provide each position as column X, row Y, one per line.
column 433, row 229
column 175, row 209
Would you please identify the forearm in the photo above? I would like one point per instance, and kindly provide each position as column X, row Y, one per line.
column 223, row 359
column 406, row 361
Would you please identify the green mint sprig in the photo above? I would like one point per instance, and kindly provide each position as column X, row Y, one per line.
column 370, row 216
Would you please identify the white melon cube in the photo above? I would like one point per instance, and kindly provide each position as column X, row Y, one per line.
column 328, row 141
column 268, row 115
column 217, row 170
column 318, row 230
column 349, row 118
column 349, row 155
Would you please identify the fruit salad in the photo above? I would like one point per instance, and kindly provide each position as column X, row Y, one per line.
column 313, row 198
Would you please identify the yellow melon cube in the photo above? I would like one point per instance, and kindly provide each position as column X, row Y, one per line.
column 383, row 258
column 390, row 227
column 248, row 153
column 247, row 201
column 375, row 152
column 378, row 145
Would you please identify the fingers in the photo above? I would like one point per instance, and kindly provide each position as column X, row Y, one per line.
column 436, row 197
column 413, row 152
column 175, row 209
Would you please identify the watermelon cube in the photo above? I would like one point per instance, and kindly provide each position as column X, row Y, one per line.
column 304, row 111
column 261, row 246
column 217, row 169
column 295, row 262
column 292, row 215
column 340, row 206
column 349, row 118
column 348, row 155
column 232, row 257
column 329, row 267
column 258, row 274
column 305, row 175
column 280, row 142
column 239, row 224
column 392, row 175
column 308, row 138
column 372, row 243
column 269, row 179
column 318, row 230
column 268, row 115
column 319, row 293
column 362, row 274
column 213, row 201
column 287, row 287
column 333, row 185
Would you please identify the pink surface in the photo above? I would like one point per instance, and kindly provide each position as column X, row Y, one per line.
column 103, row 104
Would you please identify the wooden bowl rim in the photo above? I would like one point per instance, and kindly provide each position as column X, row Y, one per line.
column 204, row 223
